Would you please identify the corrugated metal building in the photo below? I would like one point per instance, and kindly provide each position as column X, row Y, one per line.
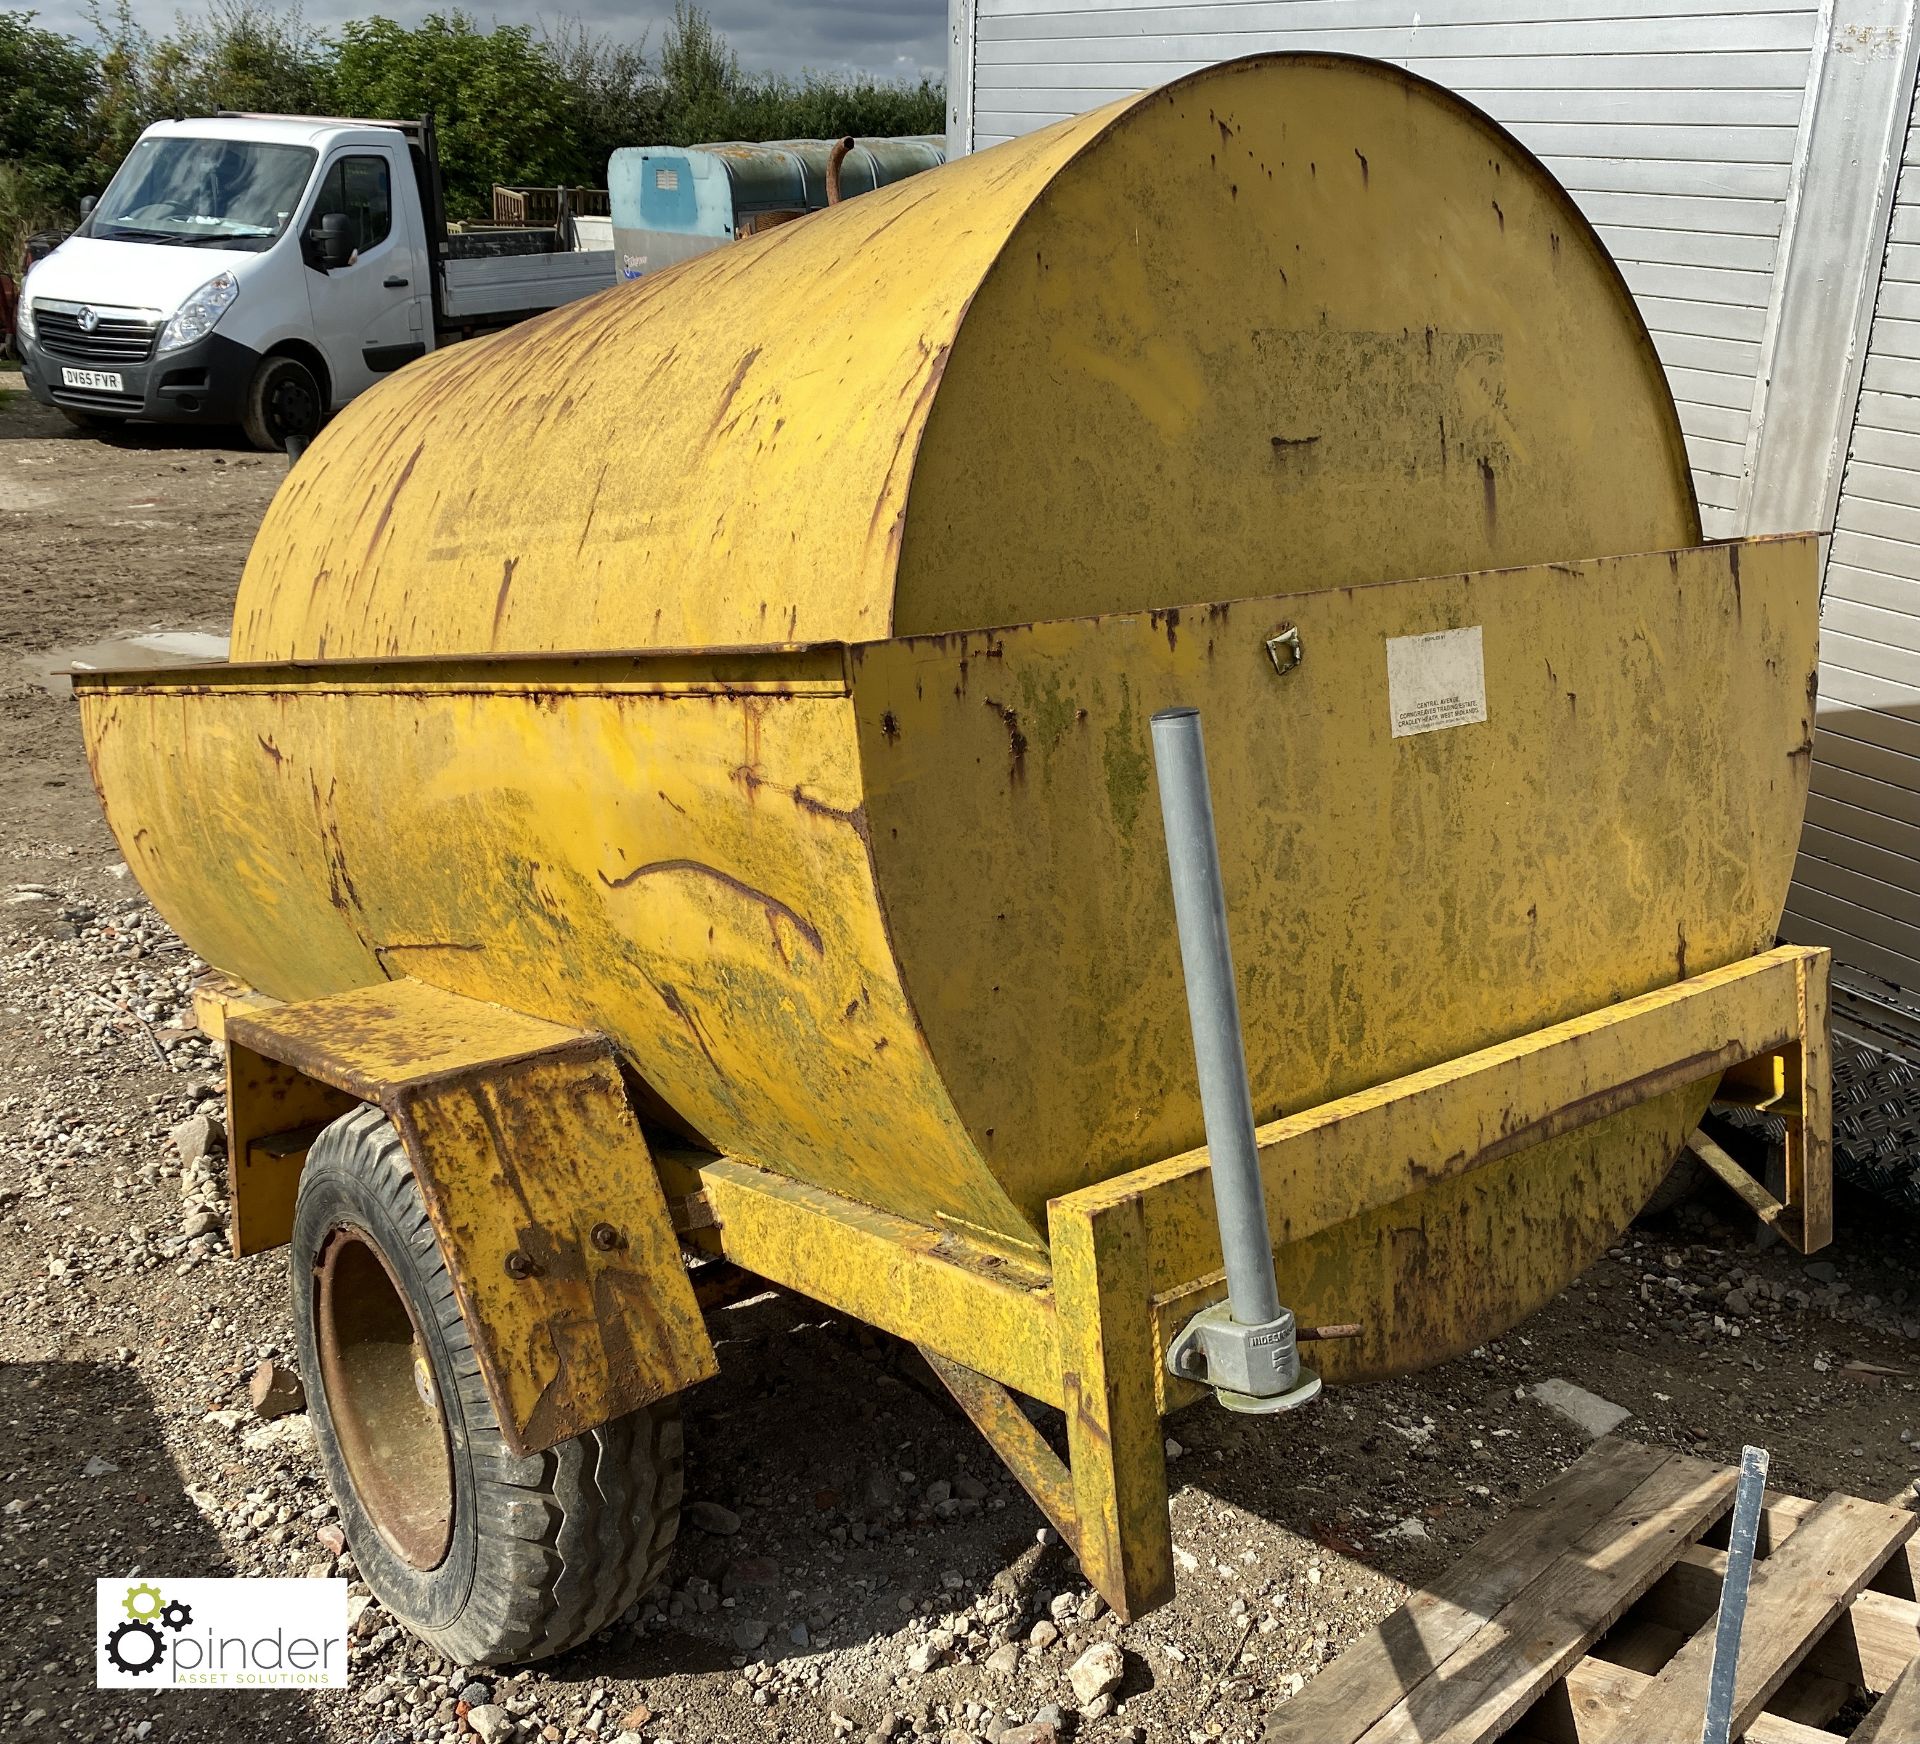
column 1753, row 170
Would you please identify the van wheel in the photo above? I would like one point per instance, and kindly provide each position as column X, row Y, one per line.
column 283, row 400
column 488, row 1557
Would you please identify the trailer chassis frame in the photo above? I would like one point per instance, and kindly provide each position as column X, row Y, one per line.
column 1133, row 1258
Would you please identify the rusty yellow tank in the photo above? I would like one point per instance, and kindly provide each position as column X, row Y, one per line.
column 754, row 663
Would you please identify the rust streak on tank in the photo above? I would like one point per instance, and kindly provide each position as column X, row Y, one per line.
column 399, row 484
column 775, row 908
column 507, row 568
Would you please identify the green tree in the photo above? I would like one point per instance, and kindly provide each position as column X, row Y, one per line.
column 128, row 97
column 613, row 97
column 500, row 105
column 704, row 96
column 241, row 54
column 49, row 85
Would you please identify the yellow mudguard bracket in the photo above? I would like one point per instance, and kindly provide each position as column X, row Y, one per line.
column 536, row 1177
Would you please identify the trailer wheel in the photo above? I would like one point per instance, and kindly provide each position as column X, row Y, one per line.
column 283, row 400
column 488, row 1557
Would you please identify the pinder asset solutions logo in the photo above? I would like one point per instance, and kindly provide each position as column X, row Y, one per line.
column 221, row 1634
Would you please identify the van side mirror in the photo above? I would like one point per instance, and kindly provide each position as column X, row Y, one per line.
column 87, row 204
column 336, row 240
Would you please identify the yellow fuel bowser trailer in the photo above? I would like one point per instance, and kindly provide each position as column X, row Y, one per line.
column 682, row 786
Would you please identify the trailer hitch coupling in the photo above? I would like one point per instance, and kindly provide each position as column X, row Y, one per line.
column 1245, row 1347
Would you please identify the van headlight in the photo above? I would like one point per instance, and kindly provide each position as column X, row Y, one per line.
column 23, row 316
column 200, row 313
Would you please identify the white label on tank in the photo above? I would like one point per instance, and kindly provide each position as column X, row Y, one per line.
column 1435, row 681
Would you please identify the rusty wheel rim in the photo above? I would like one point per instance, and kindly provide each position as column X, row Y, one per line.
column 383, row 1398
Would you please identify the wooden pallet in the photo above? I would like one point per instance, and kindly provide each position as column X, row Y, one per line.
column 1587, row 1617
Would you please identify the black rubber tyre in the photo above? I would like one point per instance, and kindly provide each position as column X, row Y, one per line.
column 534, row 1555
column 94, row 423
column 284, row 399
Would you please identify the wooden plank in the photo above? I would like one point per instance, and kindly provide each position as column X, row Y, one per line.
column 1595, row 1689
column 1778, row 1518
column 1871, row 1645
column 1810, row 1699
column 1797, row 1594
column 1598, row 1689
column 1532, row 1640
column 1340, row 1704
column 1895, row 1717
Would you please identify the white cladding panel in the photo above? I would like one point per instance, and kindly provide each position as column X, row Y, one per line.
column 1672, row 123
column 1857, row 882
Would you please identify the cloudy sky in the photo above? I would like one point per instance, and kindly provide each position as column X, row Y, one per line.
column 889, row 38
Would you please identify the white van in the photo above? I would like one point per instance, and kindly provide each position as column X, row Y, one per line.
column 262, row 270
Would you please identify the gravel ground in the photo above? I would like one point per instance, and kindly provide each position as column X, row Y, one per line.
column 854, row 1563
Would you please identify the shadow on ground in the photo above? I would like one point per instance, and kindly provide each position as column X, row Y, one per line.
column 73, row 1529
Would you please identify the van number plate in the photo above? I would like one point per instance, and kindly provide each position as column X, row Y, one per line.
column 105, row 381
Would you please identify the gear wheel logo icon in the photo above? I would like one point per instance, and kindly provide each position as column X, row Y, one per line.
column 136, row 1647
column 177, row 1616
column 142, row 1603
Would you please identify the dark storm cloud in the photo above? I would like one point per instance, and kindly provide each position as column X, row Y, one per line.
column 888, row 38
